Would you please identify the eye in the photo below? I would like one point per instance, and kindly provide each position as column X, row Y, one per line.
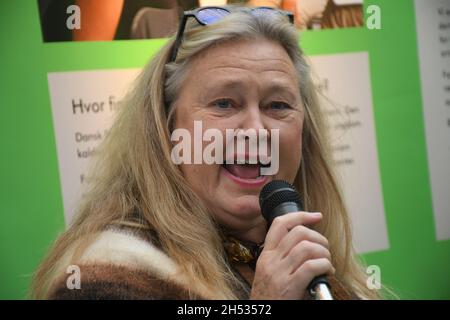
column 278, row 105
column 223, row 103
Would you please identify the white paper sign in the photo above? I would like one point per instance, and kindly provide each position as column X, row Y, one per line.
column 83, row 105
column 344, row 79
column 433, row 33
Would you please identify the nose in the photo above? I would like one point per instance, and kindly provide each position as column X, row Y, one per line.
column 252, row 119
column 253, row 127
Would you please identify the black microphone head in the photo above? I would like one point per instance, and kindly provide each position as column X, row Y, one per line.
column 275, row 193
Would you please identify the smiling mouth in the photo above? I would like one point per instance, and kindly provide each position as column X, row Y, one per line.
column 246, row 171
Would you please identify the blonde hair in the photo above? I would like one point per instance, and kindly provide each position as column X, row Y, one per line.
column 133, row 170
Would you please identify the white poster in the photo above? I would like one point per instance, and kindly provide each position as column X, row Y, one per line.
column 83, row 105
column 344, row 81
column 433, row 38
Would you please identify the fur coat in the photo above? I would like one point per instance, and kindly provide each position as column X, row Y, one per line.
column 126, row 262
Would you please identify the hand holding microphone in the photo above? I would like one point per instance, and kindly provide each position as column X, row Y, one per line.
column 295, row 258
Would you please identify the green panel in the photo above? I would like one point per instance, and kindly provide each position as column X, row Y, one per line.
column 416, row 265
column 31, row 207
column 31, row 211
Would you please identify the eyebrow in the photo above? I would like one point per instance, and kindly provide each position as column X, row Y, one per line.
column 225, row 84
column 232, row 84
column 281, row 86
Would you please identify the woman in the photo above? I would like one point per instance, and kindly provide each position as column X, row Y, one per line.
column 150, row 229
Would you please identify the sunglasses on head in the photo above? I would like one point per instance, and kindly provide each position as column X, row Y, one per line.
column 209, row 15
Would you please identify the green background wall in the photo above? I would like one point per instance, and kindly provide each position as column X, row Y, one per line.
column 31, row 211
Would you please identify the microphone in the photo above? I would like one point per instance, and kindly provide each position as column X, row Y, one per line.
column 277, row 198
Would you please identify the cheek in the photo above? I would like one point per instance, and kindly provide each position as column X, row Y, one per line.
column 200, row 176
column 291, row 149
column 192, row 179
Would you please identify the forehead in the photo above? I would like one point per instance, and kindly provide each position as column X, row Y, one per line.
column 265, row 59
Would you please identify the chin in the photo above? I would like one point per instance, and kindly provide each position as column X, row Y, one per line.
column 246, row 206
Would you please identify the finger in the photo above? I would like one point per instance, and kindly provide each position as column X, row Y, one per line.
column 303, row 252
column 283, row 224
column 311, row 269
column 298, row 234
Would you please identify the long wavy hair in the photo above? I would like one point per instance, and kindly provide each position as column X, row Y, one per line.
column 133, row 170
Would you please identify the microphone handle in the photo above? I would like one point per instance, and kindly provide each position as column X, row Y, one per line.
column 319, row 287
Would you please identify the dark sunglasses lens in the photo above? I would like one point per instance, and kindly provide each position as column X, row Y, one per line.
column 211, row 15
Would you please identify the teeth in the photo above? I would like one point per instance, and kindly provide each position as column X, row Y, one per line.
column 247, row 161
